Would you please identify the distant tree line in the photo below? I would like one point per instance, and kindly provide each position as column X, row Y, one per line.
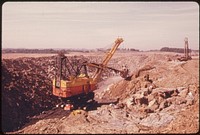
column 119, row 49
column 178, row 50
column 24, row 50
column 8, row 50
column 11, row 50
column 129, row 49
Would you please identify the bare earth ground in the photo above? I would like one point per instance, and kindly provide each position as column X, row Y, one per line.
column 169, row 103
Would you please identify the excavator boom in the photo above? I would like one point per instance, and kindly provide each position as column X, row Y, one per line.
column 107, row 58
column 123, row 73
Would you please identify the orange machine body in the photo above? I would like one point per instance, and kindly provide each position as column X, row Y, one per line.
column 76, row 86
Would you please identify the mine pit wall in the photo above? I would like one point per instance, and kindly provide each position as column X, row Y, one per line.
column 27, row 88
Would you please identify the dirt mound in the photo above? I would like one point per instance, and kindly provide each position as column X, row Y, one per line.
column 156, row 90
column 25, row 83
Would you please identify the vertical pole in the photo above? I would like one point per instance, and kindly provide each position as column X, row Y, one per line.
column 186, row 48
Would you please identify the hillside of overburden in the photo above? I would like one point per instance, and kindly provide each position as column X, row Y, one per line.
column 161, row 96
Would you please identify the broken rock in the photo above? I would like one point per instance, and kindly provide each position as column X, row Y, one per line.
column 153, row 105
column 190, row 99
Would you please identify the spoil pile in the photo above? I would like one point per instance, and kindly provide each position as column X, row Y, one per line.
column 158, row 91
column 26, row 89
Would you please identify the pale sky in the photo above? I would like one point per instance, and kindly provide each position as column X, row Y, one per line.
column 90, row 25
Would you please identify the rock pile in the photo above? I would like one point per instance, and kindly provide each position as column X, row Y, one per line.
column 157, row 99
column 26, row 89
column 152, row 104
